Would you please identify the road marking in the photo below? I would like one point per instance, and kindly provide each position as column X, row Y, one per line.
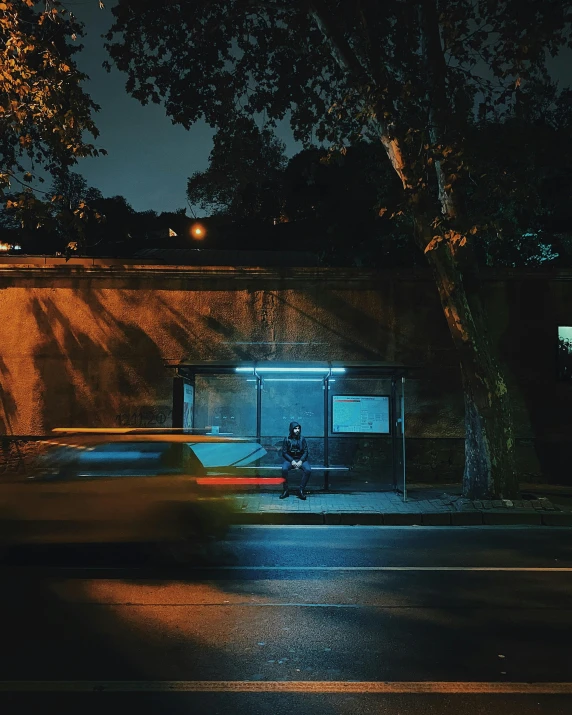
column 139, row 570
column 280, row 686
column 550, row 569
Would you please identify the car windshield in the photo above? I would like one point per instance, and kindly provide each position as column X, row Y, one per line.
column 90, row 456
column 227, row 454
column 122, row 459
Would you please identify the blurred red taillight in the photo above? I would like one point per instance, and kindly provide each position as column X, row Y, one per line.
column 238, row 480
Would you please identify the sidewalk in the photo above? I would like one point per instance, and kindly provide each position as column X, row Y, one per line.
column 426, row 505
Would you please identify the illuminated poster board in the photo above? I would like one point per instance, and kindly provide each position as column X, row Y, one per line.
column 360, row 413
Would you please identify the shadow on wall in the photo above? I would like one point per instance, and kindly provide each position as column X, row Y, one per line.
column 93, row 366
column 266, row 314
column 70, row 367
column 104, row 370
column 61, row 366
column 19, row 456
column 181, row 329
column 7, row 403
column 353, row 325
column 95, row 369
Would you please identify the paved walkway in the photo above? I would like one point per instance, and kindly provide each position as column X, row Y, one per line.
column 432, row 505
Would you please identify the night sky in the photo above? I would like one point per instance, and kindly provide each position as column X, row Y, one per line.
column 149, row 158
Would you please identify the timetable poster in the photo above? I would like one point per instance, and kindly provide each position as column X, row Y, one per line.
column 360, row 413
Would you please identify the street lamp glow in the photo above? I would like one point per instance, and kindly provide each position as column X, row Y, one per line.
column 198, row 231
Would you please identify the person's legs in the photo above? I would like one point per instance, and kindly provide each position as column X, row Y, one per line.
column 306, row 469
column 285, row 469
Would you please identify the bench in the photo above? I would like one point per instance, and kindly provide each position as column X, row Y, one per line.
column 321, row 467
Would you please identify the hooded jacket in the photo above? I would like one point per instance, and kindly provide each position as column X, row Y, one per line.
column 292, row 448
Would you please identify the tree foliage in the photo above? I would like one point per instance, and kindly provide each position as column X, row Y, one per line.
column 353, row 202
column 245, row 166
column 519, row 179
column 44, row 113
column 406, row 74
column 339, row 70
column 516, row 187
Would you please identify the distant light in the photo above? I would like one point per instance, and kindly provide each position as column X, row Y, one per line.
column 198, row 231
column 301, row 370
column 17, row 247
column 5, row 246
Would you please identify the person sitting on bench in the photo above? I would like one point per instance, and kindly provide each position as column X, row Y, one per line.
column 295, row 456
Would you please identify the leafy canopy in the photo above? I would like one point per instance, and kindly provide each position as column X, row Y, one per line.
column 244, row 172
column 218, row 59
column 344, row 69
column 44, row 113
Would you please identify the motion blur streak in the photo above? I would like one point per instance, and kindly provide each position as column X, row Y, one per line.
column 238, row 480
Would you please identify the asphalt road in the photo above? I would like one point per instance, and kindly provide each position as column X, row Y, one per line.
column 332, row 620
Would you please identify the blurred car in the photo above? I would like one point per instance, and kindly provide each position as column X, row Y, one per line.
column 126, row 485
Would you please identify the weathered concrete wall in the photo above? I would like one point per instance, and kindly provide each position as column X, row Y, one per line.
column 88, row 344
column 91, row 349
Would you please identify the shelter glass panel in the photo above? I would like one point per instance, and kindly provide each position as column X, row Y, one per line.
column 226, row 402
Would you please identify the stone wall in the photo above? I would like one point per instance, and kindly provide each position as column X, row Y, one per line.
column 18, row 456
column 92, row 343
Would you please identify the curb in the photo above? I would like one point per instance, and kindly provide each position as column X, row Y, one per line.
column 469, row 518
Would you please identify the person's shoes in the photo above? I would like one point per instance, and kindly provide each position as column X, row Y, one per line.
column 301, row 494
column 285, row 494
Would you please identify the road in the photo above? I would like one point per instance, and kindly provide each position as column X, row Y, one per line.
column 422, row 620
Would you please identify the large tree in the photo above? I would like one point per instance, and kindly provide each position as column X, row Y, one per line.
column 338, row 196
column 335, row 197
column 406, row 73
column 518, row 181
column 244, row 171
column 45, row 116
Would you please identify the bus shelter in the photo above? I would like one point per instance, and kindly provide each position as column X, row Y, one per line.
column 352, row 414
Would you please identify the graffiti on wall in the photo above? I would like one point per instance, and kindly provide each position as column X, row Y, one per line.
column 150, row 416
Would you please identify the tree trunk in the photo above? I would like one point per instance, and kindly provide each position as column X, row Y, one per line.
column 489, row 444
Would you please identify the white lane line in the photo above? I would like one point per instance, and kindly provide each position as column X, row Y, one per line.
column 158, row 575
column 245, row 686
column 189, row 569
column 541, row 569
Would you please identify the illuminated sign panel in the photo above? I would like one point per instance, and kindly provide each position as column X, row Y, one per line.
column 360, row 413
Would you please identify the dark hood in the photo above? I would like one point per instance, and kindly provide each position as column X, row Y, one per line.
column 292, row 425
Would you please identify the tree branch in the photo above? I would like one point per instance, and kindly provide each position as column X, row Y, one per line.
column 348, row 61
column 437, row 98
